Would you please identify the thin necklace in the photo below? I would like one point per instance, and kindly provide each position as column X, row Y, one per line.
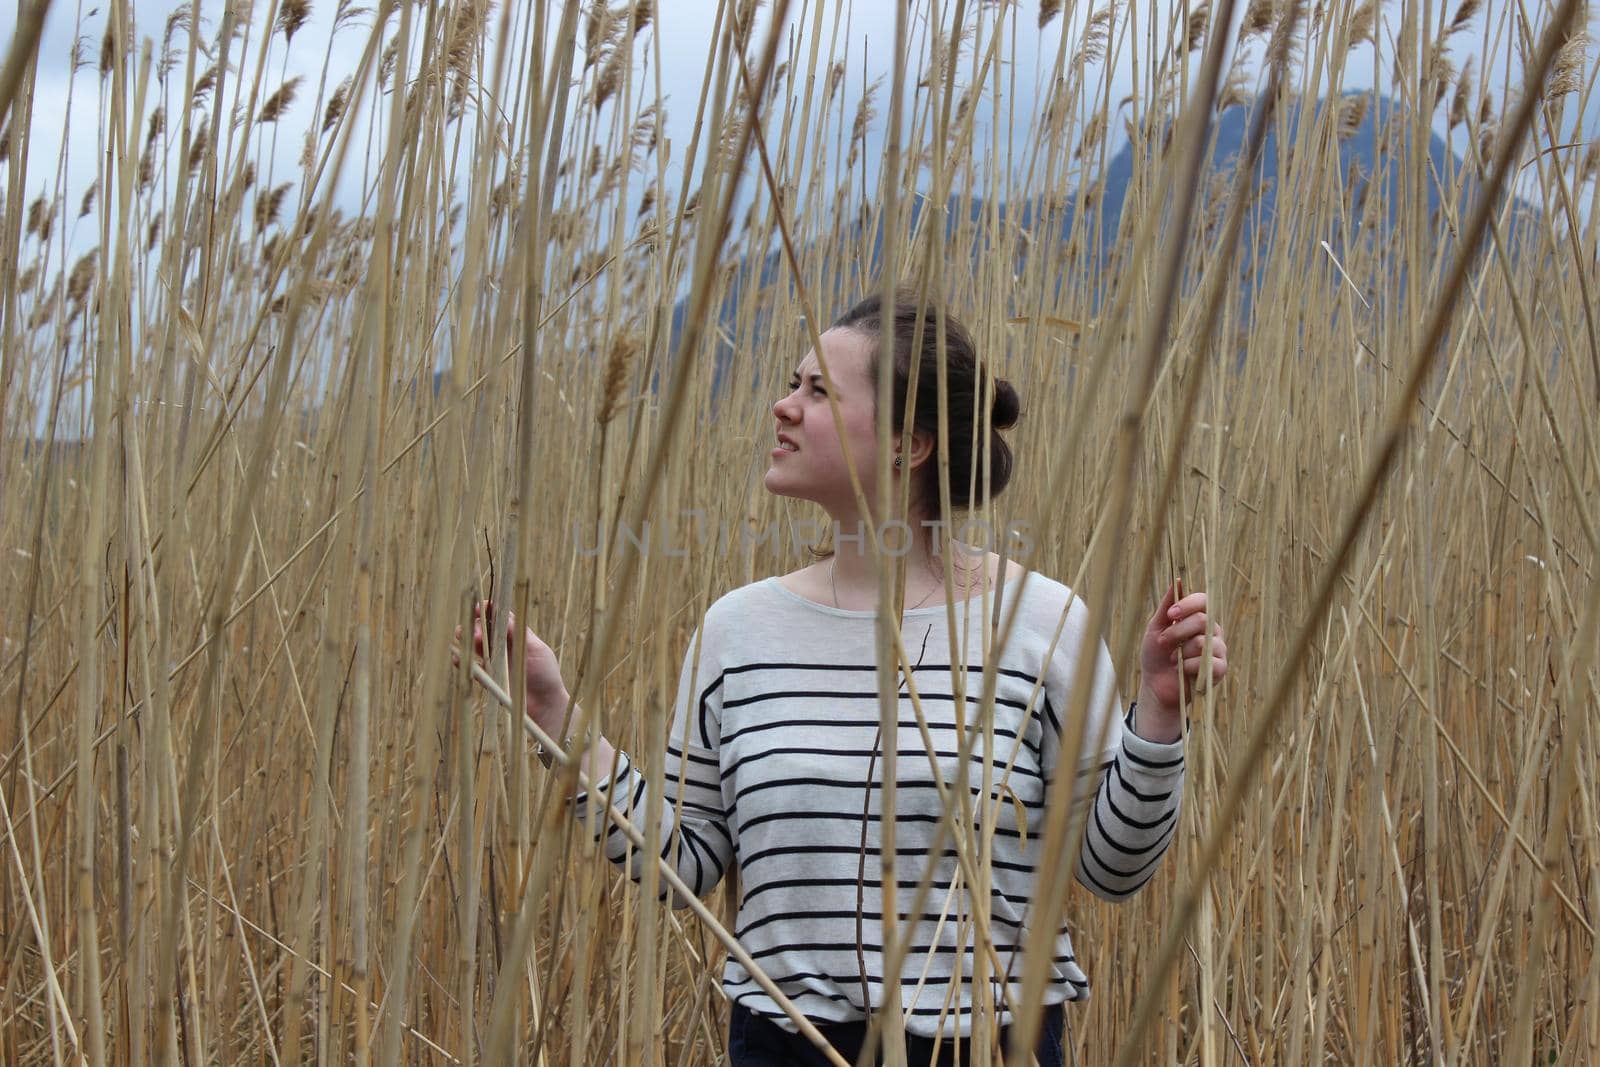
column 833, row 580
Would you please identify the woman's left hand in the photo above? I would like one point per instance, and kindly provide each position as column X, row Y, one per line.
column 1173, row 654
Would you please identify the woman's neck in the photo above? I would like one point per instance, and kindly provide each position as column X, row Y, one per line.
column 852, row 578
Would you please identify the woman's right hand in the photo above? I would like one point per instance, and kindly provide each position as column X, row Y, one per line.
column 546, row 693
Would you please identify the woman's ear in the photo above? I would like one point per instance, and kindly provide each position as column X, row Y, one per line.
column 921, row 449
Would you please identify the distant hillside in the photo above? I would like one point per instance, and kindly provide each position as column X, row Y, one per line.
column 1358, row 159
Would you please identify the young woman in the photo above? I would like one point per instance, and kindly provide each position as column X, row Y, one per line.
column 776, row 753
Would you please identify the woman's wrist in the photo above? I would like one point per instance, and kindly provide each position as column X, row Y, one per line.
column 557, row 722
column 1154, row 722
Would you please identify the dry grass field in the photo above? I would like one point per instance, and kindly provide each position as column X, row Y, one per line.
column 278, row 409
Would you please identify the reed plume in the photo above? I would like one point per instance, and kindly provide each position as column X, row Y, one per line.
column 268, row 205
column 623, row 349
column 597, row 32
column 1194, row 36
column 279, row 102
column 1258, row 19
column 1363, row 25
column 644, row 13
column 1461, row 107
column 1352, row 113
column 203, row 86
column 40, row 217
column 348, row 12
column 1463, row 17
column 338, row 100
column 1567, row 74
column 199, row 146
column 1097, row 34
column 292, row 14
column 46, row 308
column 82, row 276
column 609, row 79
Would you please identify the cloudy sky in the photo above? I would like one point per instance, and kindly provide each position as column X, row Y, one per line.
column 67, row 100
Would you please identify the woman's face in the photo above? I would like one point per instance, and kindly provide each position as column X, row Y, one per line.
column 813, row 467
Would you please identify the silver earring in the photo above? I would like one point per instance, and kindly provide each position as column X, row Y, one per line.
column 897, row 461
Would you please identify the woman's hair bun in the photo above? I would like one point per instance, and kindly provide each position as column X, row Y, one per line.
column 1007, row 405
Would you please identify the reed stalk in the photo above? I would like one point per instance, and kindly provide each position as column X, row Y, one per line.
column 321, row 324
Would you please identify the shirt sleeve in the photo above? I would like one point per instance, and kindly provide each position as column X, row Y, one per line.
column 697, row 842
column 1134, row 817
column 1136, row 785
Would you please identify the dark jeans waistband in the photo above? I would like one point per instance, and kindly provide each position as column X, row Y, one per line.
column 756, row 1041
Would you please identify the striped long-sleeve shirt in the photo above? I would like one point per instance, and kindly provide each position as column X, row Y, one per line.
column 776, row 757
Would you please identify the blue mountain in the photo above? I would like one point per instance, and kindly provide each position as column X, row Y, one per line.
column 1359, row 165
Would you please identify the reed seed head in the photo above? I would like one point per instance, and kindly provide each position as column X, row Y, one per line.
column 268, row 203
column 1194, row 37
column 1567, row 74
column 337, row 102
column 1352, row 113
column 37, row 223
column 1362, row 26
column 1097, row 35
column 292, row 14
column 623, row 349
column 609, row 80
column 1461, row 109
column 1258, row 19
column 1463, row 16
column 46, row 309
column 279, row 101
column 203, row 85
column 596, row 32
column 82, row 276
column 199, row 146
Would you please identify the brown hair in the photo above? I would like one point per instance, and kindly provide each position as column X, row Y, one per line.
column 966, row 380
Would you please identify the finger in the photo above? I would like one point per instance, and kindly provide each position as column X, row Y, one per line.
column 1194, row 665
column 1167, row 600
column 1185, row 628
column 1188, row 605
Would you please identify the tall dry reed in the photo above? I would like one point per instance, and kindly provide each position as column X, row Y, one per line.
column 312, row 364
